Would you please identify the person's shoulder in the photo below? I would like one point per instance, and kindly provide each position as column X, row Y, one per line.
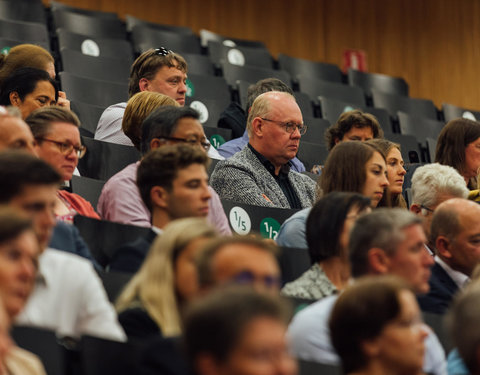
column 61, row 260
column 319, row 309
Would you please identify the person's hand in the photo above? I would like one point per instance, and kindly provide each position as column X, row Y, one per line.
column 62, row 100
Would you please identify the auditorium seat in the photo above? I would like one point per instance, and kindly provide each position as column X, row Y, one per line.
column 31, row 11
column 451, row 112
column 293, row 263
column 103, row 159
column 7, row 43
column 56, row 5
column 207, row 87
column 411, row 151
column 89, row 114
column 381, row 82
column 92, row 91
column 94, row 46
column 132, row 21
column 88, row 188
column 295, row 66
column 96, row 67
column 144, row 37
column 311, row 154
column 102, row 27
column 114, row 282
column 217, row 136
column 206, row 36
column 420, row 127
column 209, row 109
column 338, row 91
column 239, row 55
column 314, row 368
column 394, row 103
column 233, row 73
column 199, row 64
column 27, row 32
column 316, row 128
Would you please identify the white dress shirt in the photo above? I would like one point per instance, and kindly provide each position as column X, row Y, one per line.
column 69, row 298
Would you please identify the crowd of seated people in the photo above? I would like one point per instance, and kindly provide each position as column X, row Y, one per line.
column 377, row 259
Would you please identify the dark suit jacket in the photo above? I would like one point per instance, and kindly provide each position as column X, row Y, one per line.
column 129, row 257
column 137, row 324
column 442, row 291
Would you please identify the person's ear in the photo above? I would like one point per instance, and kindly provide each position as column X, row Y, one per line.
column 443, row 246
column 257, row 126
column 370, row 348
column 337, row 140
column 143, row 84
column 15, row 98
column 159, row 197
column 378, row 261
column 415, row 208
column 156, row 143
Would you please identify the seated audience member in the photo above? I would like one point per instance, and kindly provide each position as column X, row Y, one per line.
column 58, row 142
column 260, row 174
column 68, row 296
column 230, row 148
column 376, row 328
column 28, row 89
column 385, row 241
column 238, row 331
column 14, row 132
column 173, row 183
column 395, row 173
column 151, row 302
column 433, row 184
column 464, row 329
column 19, row 251
column 455, row 233
column 458, row 146
column 328, row 228
column 353, row 126
column 158, row 70
column 139, row 106
column 239, row 260
column 350, row 167
column 120, row 200
column 31, row 56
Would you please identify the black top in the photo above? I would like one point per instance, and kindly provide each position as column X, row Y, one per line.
column 137, row 324
column 282, row 178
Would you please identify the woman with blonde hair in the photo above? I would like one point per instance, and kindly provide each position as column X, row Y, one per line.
column 139, row 106
column 150, row 303
column 395, row 173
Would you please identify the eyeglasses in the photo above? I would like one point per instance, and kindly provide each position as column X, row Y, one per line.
column 162, row 51
column 66, row 148
column 426, row 208
column 193, row 142
column 290, row 127
column 247, row 278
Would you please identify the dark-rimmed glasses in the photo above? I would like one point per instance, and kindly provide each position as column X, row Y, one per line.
column 289, row 127
column 193, row 142
column 66, row 148
column 426, row 208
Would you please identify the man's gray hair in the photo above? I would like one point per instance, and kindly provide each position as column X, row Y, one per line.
column 430, row 180
column 383, row 229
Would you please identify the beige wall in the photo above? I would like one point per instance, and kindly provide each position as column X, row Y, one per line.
column 433, row 44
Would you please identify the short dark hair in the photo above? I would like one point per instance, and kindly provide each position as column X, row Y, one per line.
column 383, row 229
column 204, row 261
column 147, row 65
column 345, row 167
column 325, row 223
column 348, row 120
column 455, row 136
column 19, row 169
column 265, row 85
column 160, row 167
column 227, row 312
column 23, row 81
column 162, row 122
column 12, row 223
column 41, row 120
column 360, row 314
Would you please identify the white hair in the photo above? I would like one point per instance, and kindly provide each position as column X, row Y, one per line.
column 430, row 180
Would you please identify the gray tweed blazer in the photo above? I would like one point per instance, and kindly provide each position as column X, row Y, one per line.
column 243, row 178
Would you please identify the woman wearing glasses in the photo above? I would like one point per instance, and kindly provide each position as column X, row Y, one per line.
column 57, row 137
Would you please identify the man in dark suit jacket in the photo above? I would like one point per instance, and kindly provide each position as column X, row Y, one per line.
column 455, row 232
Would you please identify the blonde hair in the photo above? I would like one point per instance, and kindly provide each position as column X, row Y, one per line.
column 24, row 55
column 153, row 286
column 139, row 106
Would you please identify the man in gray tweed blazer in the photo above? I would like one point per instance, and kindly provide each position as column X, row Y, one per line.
column 260, row 174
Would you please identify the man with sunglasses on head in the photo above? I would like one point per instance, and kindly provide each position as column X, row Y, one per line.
column 260, row 174
column 158, row 70
column 120, row 199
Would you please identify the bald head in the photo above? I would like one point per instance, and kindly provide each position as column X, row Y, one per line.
column 15, row 133
column 455, row 231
